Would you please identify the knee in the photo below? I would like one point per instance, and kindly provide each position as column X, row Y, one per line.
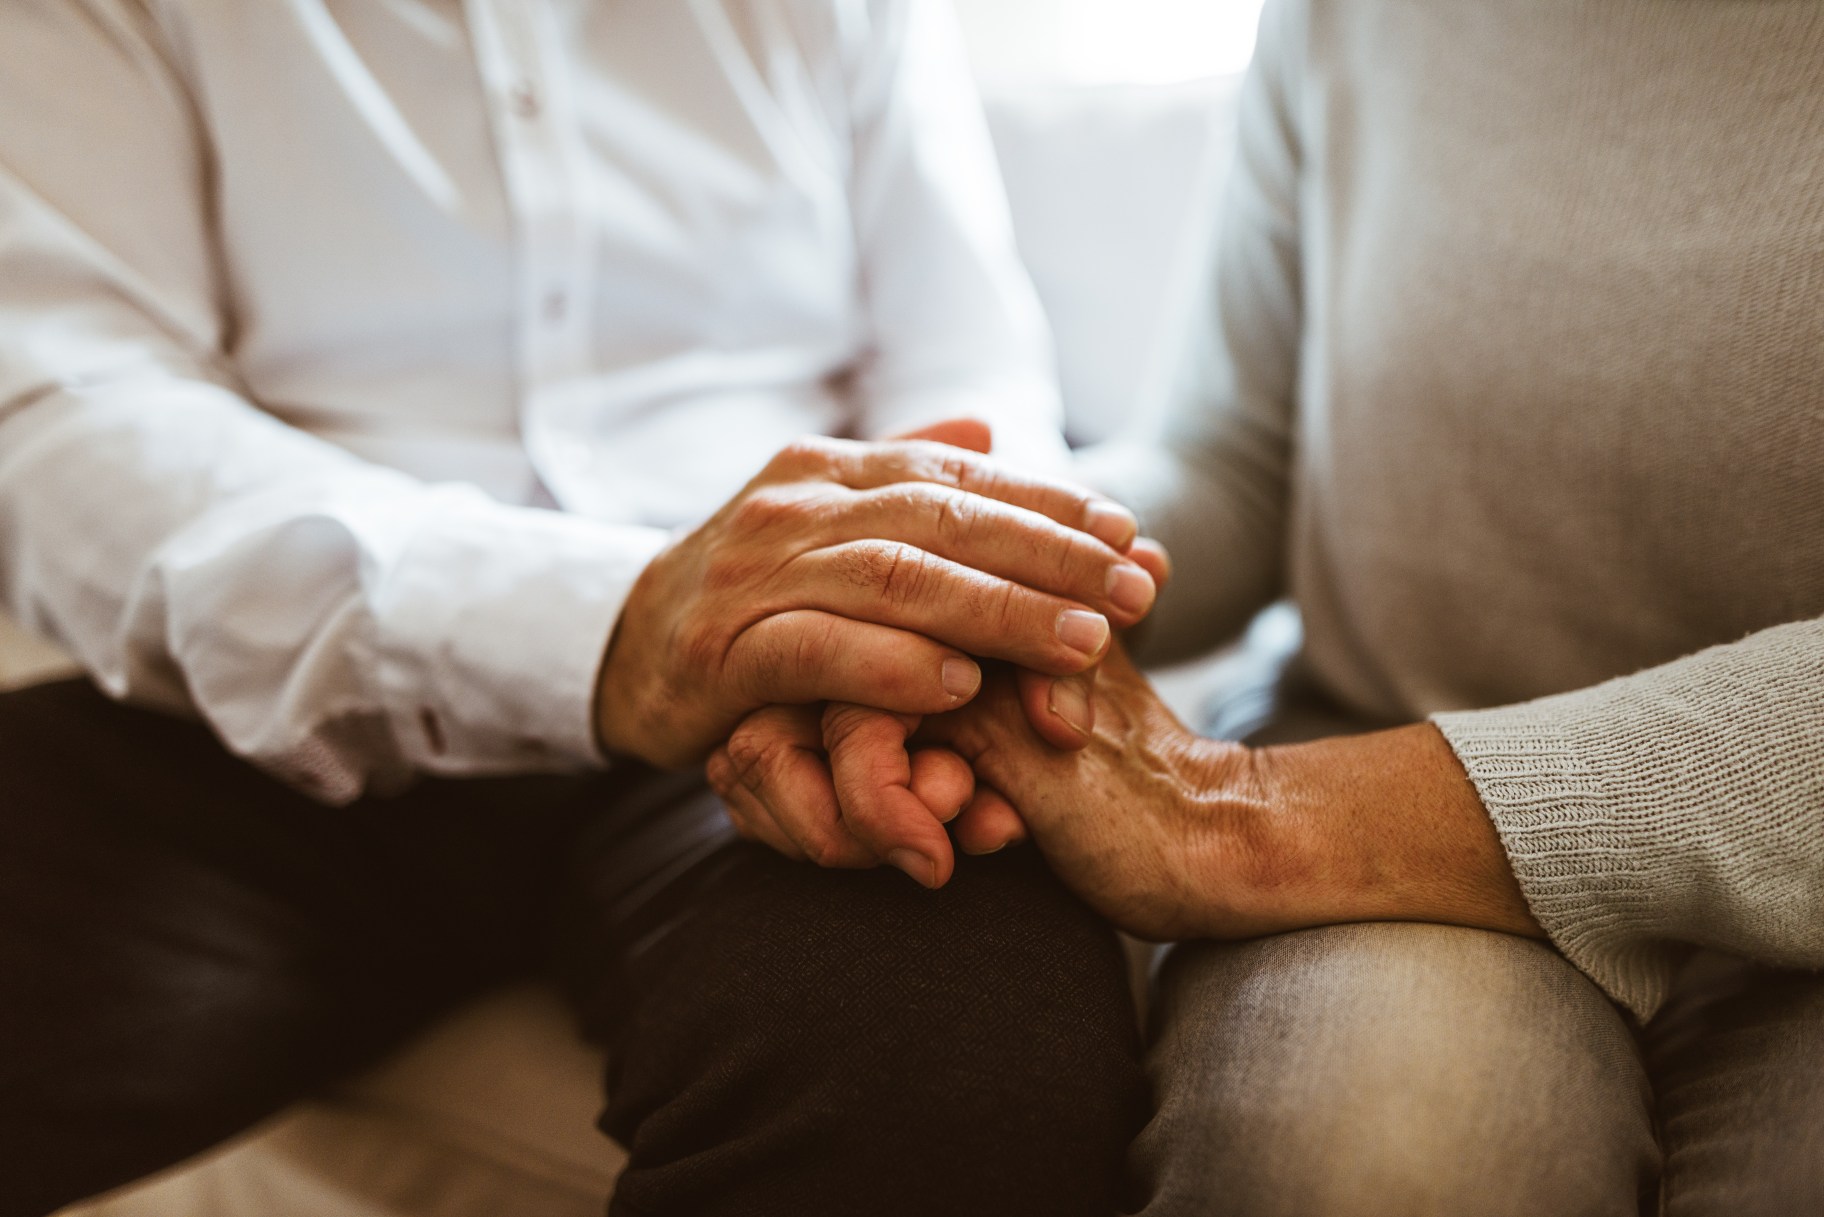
column 1011, row 996
column 1000, row 983
column 113, row 1080
column 1383, row 1069
column 983, row 1033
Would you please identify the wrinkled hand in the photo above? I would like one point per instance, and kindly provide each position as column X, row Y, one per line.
column 866, row 573
column 1147, row 821
column 1173, row 836
column 775, row 777
column 838, row 786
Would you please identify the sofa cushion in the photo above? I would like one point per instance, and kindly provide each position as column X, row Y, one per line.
column 1111, row 189
column 491, row 1111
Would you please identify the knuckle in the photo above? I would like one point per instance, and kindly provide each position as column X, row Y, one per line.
column 813, row 645
column 822, row 848
column 895, row 573
column 954, row 468
column 806, row 455
column 750, row 753
column 1077, row 568
column 923, row 460
column 717, row 771
column 953, row 462
column 792, row 458
column 768, row 511
column 729, row 568
column 956, row 520
column 1005, row 606
column 842, row 723
column 902, row 573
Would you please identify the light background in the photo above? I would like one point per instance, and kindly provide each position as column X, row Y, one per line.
column 1093, row 42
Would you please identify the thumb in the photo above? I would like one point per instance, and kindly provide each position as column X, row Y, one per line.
column 1062, row 710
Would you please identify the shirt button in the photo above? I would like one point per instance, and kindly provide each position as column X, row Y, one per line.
column 433, row 730
column 523, row 98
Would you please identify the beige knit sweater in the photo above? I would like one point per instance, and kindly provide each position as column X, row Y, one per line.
column 1511, row 373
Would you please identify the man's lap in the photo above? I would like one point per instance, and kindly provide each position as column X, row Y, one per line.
column 195, row 946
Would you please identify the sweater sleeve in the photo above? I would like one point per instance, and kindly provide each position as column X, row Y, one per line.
column 1681, row 806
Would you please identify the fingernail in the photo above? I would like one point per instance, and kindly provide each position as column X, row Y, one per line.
column 1111, row 524
column 1070, row 703
column 983, row 853
column 1082, row 631
column 1130, row 588
column 914, row 864
column 961, row 678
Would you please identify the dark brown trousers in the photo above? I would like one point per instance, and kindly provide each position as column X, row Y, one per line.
column 187, row 946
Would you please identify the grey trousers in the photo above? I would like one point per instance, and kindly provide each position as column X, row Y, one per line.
column 1402, row 1070
column 1411, row 1070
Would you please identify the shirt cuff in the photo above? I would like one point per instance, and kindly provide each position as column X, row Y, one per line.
column 492, row 626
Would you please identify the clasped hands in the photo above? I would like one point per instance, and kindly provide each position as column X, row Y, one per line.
column 870, row 578
column 801, row 636
column 815, row 644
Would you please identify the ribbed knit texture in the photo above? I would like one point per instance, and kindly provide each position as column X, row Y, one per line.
column 1511, row 373
column 1683, row 805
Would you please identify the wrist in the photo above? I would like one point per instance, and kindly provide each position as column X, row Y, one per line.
column 1386, row 827
column 1290, row 847
column 626, row 699
column 1253, row 857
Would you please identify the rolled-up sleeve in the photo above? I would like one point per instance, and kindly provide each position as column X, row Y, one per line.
column 335, row 622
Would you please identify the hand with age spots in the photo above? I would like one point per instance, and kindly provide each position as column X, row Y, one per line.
column 1172, row 836
column 1165, row 833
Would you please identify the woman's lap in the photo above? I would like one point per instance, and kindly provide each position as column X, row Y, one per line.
column 1406, row 1069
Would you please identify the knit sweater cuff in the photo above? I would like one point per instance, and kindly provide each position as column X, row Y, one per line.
column 1676, row 807
column 1586, row 867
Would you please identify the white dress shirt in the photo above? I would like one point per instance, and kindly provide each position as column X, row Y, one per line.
column 310, row 310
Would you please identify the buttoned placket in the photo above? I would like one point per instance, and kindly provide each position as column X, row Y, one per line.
column 538, row 137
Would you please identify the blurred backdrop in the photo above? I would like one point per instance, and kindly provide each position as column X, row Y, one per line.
column 1108, row 41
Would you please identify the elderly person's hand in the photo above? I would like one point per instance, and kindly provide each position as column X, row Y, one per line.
column 851, row 799
column 835, row 783
column 838, row 784
column 865, row 572
column 1173, row 836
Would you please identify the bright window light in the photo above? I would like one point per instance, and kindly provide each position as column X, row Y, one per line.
column 1109, row 41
